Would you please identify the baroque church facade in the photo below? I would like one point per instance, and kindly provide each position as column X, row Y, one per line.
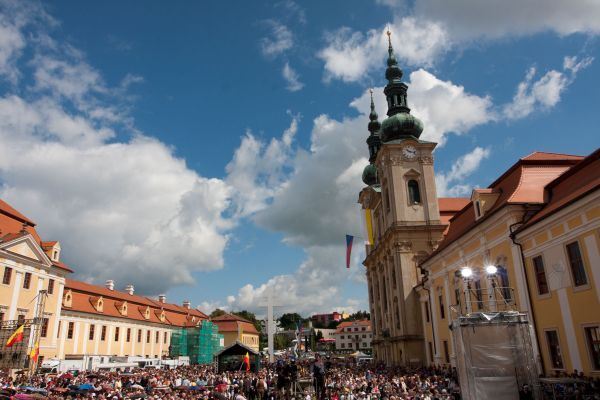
column 401, row 195
column 536, row 228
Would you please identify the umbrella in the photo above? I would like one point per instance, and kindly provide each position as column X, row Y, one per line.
column 221, row 387
column 136, row 386
column 67, row 375
column 86, row 386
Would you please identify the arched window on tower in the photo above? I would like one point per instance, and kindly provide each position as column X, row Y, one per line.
column 414, row 195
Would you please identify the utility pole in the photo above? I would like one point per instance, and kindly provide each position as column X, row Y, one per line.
column 36, row 326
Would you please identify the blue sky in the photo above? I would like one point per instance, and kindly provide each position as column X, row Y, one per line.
column 213, row 150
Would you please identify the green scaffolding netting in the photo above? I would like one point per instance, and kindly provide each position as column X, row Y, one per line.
column 200, row 344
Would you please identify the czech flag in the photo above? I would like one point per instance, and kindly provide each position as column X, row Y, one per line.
column 35, row 352
column 16, row 337
column 247, row 361
column 349, row 240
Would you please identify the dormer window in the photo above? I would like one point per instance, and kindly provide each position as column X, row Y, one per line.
column 414, row 194
column 483, row 200
column 122, row 307
column 97, row 303
column 477, row 209
column 68, row 298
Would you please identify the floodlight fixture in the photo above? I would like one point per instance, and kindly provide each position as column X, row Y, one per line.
column 466, row 272
column 491, row 269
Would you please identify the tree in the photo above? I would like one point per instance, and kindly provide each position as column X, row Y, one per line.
column 319, row 336
column 290, row 320
column 217, row 313
column 281, row 342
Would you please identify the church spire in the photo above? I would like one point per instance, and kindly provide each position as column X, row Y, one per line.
column 399, row 124
column 373, row 141
column 369, row 176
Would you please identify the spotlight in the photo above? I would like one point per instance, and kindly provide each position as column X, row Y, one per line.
column 466, row 272
column 491, row 269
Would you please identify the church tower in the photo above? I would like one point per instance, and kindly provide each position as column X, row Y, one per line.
column 401, row 195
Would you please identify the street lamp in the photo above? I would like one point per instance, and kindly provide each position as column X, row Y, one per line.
column 466, row 272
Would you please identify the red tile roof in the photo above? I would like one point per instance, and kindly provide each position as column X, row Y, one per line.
column 451, row 204
column 232, row 323
column 574, row 184
column 544, row 156
column 12, row 223
column 9, row 211
column 346, row 324
column 522, row 183
column 137, row 305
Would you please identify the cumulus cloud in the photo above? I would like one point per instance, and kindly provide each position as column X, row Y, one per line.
column 425, row 30
column 443, row 106
column 280, row 40
column 258, row 170
column 349, row 55
column 292, row 78
column 121, row 209
column 315, row 287
column 467, row 20
column 545, row 92
column 451, row 183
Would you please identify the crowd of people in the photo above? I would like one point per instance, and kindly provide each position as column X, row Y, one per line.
column 321, row 378
column 307, row 379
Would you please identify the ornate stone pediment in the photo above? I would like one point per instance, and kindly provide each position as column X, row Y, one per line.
column 403, row 246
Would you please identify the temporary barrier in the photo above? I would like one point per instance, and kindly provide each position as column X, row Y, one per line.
column 494, row 355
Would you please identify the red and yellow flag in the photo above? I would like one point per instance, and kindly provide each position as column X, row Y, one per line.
column 16, row 337
column 35, row 352
column 247, row 361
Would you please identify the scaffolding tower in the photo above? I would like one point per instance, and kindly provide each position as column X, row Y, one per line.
column 200, row 344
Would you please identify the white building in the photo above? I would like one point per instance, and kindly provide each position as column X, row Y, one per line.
column 354, row 335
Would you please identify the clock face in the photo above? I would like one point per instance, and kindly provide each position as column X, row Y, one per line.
column 409, row 152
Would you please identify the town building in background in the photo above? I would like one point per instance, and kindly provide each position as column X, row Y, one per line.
column 324, row 320
column 528, row 242
column 237, row 329
column 354, row 336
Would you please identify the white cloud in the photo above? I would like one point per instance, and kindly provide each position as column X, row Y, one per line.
column 292, row 78
column 350, row 55
column 452, row 183
column 281, row 39
column 443, row 106
column 294, row 10
column 545, row 92
column 424, row 32
column 467, row 20
column 121, row 209
column 258, row 170
column 313, row 288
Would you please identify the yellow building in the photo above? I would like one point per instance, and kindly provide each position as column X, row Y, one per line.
column 78, row 319
column 99, row 320
column 237, row 329
column 547, row 205
column 561, row 246
column 29, row 265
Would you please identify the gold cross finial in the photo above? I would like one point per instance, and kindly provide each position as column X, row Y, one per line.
column 389, row 34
